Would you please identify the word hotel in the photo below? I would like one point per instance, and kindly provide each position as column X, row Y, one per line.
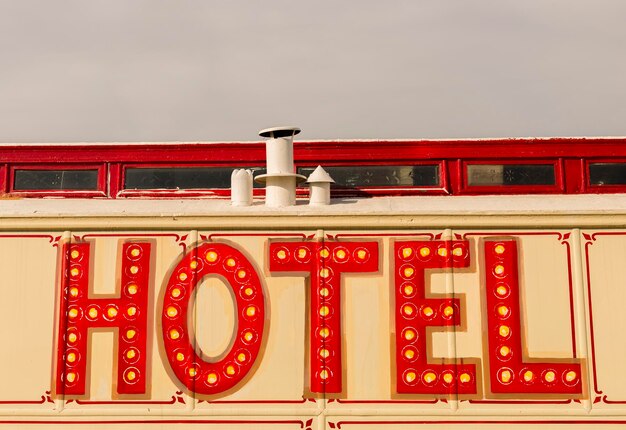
column 314, row 284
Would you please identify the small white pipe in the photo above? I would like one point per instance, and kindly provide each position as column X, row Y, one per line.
column 241, row 187
column 319, row 194
column 279, row 153
column 319, row 187
column 280, row 191
column 280, row 179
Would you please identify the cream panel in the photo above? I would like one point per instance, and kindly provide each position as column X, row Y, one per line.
column 430, row 423
column 27, row 313
column 546, row 285
column 604, row 254
column 173, row 423
column 275, row 394
column 368, row 324
column 163, row 391
column 277, row 383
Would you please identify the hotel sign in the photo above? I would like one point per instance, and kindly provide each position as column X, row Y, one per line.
column 334, row 329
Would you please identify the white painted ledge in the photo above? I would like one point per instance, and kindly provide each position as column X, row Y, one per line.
column 588, row 204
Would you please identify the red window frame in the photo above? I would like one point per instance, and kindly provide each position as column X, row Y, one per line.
column 558, row 187
column 602, row 189
column 571, row 158
column 101, row 190
column 183, row 192
column 407, row 190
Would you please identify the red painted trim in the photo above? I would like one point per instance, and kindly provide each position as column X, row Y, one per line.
column 4, row 178
column 590, row 304
column 382, row 191
column 455, row 174
column 159, row 193
column 466, row 149
column 574, row 174
column 172, row 401
column 339, row 424
column 114, row 179
column 312, row 152
column 388, row 402
column 43, row 399
column 570, row 284
column 571, row 157
column 444, row 179
column 256, row 402
column 519, row 402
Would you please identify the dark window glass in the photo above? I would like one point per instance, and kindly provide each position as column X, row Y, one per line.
column 607, row 173
column 381, row 176
column 55, row 180
column 510, row 174
column 172, row 178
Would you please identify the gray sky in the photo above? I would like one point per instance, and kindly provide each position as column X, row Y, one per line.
column 139, row 70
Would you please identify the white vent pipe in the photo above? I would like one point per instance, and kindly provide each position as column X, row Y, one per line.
column 241, row 187
column 280, row 179
column 319, row 187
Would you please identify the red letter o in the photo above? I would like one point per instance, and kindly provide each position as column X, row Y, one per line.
column 196, row 374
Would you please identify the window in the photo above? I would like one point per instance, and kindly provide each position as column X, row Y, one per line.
column 58, row 180
column 381, row 176
column 510, row 174
column 601, row 174
column 48, row 180
column 510, row 177
column 174, row 178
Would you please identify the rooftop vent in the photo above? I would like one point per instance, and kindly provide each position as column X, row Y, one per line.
column 280, row 180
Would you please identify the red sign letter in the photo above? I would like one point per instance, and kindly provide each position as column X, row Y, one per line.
column 78, row 313
column 197, row 374
column 325, row 262
column 508, row 371
column 414, row 312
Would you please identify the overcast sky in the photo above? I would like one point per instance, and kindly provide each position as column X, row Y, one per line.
column 139, row 70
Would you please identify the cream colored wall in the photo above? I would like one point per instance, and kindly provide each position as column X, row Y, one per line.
column 272, row 397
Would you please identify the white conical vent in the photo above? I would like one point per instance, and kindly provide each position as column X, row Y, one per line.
column 319, row 175
column 319, row 187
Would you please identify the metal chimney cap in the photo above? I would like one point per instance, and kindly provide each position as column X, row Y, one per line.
column 275, row 132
